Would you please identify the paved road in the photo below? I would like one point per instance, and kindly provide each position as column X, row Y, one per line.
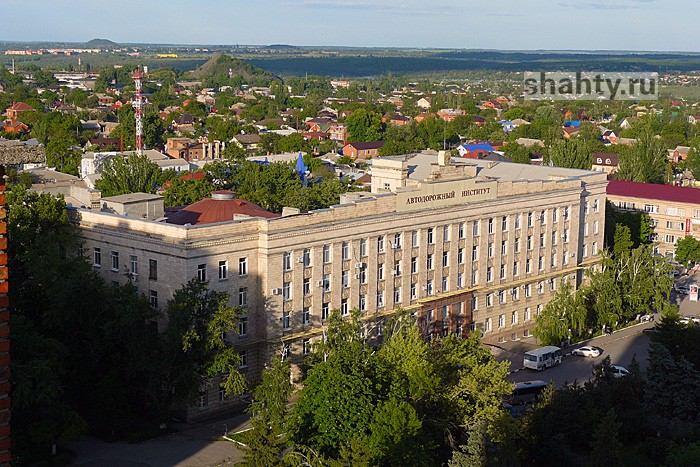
column 622, row 346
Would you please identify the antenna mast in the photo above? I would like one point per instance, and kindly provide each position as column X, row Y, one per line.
column 138, row 107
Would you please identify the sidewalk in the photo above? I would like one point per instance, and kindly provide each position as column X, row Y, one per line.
column 194, row 444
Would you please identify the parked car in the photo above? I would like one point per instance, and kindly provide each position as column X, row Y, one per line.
column 689, row 319
column 619, row 371
column 587, row 351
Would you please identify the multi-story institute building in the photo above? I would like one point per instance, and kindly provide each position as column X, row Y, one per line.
column 463, row 244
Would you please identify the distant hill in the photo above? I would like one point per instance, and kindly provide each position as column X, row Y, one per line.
column 221, row 65
column 282, row 47
column 100, row 44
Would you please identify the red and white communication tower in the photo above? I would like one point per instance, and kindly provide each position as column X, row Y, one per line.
column 138, row 107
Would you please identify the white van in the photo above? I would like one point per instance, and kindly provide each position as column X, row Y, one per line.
column 542, row 358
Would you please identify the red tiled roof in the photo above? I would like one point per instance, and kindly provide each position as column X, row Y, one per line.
column 221, row 207
column 367, row 145
column 21, row 107
column 679, row 194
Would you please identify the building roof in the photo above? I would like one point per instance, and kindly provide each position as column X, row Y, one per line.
column 252, row 138
column 130, row 198
column 367, row 145
column 21, row 107
column 605, row 156
column 477, row 147
column 678, row 194
column 221, row 207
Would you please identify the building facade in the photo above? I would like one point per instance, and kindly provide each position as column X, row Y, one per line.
column 674, row 211
column 463, row 245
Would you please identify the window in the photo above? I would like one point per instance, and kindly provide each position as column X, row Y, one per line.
column 489, row 274
column 516, row 269
column 514, row 318
column 475, row 253
column 555, row 215
column 414, row 265
column 243, row 354
column 595, row 248
column 585, row 250
column 539, row 309
column 501, row 320
column 414, row 238
column 554, row 238
column 363, row 276
column 306, row 315
column 528, row 266
column 97, row 257
column 543, row 217
column 529, row 219
column 526, row 314
column 397, row 242
column 306, row 346
column 363, row 248
column 586, row 208
column 363, row 302
column 223, row 270
column 429, row 287
column 504, row 224
column 475, row 304
column 414, row 291
column 516, row 245
column 460, row 256
column 543, row 243
column 380, row 298
column 553, row 263
column 504, row 246
column 529, row 242
column 153, row 269
column 566, row 213
column 487, row 325
column 490, row 225
column 475, row 228
column 306, row 286
column 501, row 296
column 326, row 282
column 489, row 299
column 460, row 280
column 397, row 295
column 528, row 290
column 243, row 266
column 445, row 259
column 445, row 284
column 515, row 293
column 566, row 235
column 595, row 206
column 345, row 279
column 475, row 276
column 287, row 261
column 552, row 283
column 325, row 309
column 585, row 228
column 461, row 230
column 397, row 267
column 431, row 235
column 380, row 244
column 503, row 271
column 286, row 291
column 380, row 272
column 243, row 326
column 540, row 263
column 445, row 233
column 595, row 227
column 153, row 298
column 540, row 287
column 202, row 273
column 286, row 321
column 490, row 250
column 115, row 261
column 517, row 221
column 344, row 253
column 326, row 254
column 430, row 316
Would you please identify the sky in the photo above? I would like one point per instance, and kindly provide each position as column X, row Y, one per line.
column 637, row 25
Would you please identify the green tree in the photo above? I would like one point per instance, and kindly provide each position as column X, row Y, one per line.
column 572, row 153
column 687, row 250
column 645, row 161
column 364, row 125
column 266, row 441
column 195, row 344
column 564, row 314
column 183, row 192
column 130, row 174
column 517, row 153
column 605, row 445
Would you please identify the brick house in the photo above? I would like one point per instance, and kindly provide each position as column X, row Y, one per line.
column 362, row 150
column 605, row 162
column 17, row 108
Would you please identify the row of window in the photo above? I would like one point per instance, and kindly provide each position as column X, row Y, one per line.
column 395, row 241
column 223, row 270
column 527, row 316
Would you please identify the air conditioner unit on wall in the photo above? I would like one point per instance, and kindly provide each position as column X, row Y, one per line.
column 360, row 265
column 319, row 283
column 300, row 259
column 276, row 291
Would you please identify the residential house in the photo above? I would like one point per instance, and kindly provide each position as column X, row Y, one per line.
column 507, row 125
column 249, row 142
column 569, row 131
column 362, row 150
column 422, row 116
column 16, row 109
column 678, row 154
column 610, row 137
column 693, row 119
column 184, row 123
column 605, row 162
column 478, row 120
column 528, row 142
column 424, row 103
column 519, row 121
column 450, row 114
column 475, row 150
column 395, row 119
column 14, row 126
column 337, row 132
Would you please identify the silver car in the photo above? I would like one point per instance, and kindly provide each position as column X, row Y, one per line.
column 587, row 351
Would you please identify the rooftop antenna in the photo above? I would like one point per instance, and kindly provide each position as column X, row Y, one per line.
column 138, row 106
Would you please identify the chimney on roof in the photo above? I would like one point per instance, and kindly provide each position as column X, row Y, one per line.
column 443, row 158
